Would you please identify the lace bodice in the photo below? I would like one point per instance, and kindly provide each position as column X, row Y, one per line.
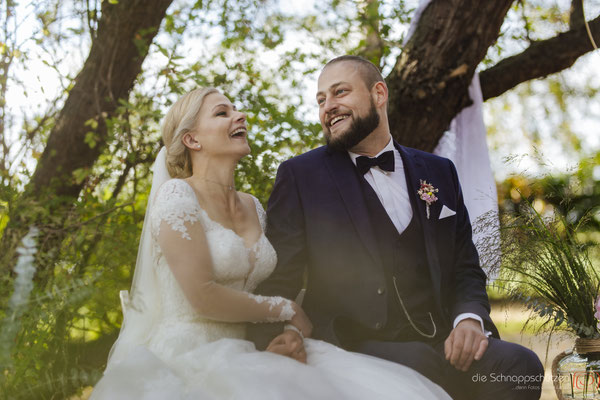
column 177, row 225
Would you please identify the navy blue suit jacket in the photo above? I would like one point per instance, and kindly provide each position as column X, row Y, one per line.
column 319, row 224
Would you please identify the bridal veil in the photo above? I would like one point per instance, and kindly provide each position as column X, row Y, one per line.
column 141, row 307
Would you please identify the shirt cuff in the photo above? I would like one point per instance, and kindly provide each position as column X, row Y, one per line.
column 476, row 317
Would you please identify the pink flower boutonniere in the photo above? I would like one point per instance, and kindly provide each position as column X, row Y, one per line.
column 427, row 194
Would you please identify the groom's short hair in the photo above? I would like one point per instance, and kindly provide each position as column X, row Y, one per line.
column 367, row 70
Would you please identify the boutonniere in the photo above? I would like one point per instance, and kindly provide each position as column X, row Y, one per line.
column 427, row 194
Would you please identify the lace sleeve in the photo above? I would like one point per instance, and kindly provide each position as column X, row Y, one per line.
column 177, row 221
column 175, row 204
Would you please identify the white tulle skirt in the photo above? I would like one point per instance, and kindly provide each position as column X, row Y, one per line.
column 233, row 369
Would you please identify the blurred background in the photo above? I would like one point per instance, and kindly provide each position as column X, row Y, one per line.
column 84, row 86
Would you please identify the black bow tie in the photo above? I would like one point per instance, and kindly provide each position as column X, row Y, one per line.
column 385, row 161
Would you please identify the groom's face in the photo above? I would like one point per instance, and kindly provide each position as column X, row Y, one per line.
column 346, row 108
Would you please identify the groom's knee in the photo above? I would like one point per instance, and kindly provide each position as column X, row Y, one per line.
column 512, row 358
column 508, row 369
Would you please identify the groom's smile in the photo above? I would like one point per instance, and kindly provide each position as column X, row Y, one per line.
column 346, row 108
column 339, row 123
column 337, row 119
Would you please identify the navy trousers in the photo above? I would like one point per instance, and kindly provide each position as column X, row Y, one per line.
column 506, row 370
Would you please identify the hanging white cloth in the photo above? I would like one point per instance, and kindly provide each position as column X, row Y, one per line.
column 465, row 144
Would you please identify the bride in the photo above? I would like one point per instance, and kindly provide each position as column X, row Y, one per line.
column 202, row 253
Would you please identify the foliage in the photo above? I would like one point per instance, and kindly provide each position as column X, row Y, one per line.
column 575, row 194
column 60, row 340
column 545, row 266
column 23, row 284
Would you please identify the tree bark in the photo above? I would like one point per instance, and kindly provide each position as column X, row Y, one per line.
column 125, row 31
column 542, row 58
column 429, row 83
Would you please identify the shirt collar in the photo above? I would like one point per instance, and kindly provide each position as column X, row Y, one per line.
column 388, row 147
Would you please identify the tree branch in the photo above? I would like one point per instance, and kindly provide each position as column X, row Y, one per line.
column 576, row 14
column 429, row 83
column 542, row 58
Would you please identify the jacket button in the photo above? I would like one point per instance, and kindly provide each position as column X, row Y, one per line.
column 378, row 326
column 380, row 291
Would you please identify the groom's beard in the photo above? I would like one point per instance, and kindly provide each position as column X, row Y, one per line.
column 360, row 128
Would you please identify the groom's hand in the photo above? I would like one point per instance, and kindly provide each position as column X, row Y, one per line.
column 289, row 344
column 466, row 343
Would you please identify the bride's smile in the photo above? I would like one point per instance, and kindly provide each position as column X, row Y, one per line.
column 221, row 129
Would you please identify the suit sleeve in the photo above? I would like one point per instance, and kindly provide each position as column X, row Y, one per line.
column 469, row 293
column 286, row 232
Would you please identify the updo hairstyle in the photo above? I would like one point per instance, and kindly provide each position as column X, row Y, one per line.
column 181, row 119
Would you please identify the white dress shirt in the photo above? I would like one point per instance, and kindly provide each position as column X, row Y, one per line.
column 392, row 190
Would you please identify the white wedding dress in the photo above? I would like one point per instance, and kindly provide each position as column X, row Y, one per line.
column 189, row 356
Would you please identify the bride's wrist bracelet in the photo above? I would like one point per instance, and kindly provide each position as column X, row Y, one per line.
column 293, row 328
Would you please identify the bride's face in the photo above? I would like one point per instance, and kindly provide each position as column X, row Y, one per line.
column 221, row 128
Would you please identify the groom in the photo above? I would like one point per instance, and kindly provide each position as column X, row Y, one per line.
column 380, row 236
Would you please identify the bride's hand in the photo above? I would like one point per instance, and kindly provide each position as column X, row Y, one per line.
column 289, row 344
column 300, row 320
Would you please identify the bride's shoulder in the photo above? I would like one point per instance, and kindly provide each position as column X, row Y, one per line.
column 249, row 199
column 253, row 202
column 175, row 188
column 175, row 194
column 175, row 202
column 246, row 197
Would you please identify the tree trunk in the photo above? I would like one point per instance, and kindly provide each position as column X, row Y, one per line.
column 125, row 31
column 429, row 83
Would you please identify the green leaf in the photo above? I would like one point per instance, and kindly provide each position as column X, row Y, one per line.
column 91, row 139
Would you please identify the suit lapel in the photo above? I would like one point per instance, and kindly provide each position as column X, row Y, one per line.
column 346, row 179
column 415, row 170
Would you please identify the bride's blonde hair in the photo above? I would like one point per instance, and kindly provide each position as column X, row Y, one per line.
column 182, row 118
